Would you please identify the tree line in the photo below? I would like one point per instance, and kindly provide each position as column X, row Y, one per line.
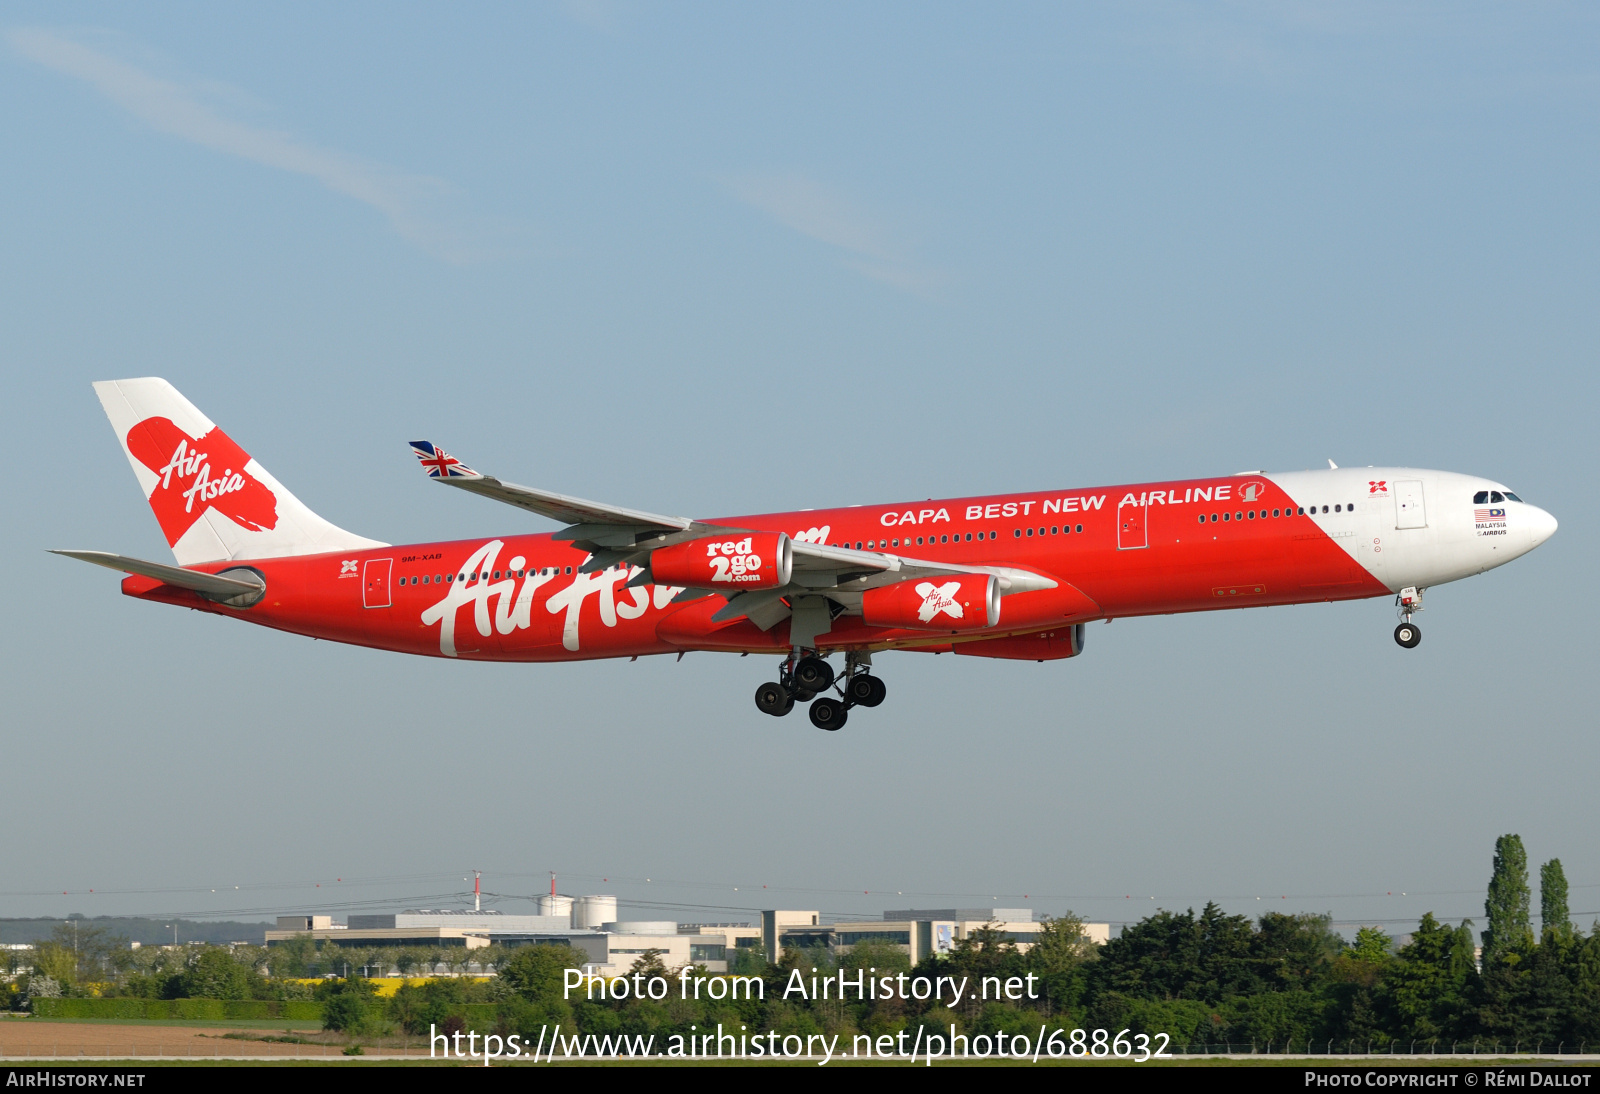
column 1201, row 977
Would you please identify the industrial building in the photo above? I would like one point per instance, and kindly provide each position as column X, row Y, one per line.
column 917, row 932
column 590, row 924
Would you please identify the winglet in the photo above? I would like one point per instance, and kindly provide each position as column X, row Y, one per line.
column 1332, row 466
column 439, row 464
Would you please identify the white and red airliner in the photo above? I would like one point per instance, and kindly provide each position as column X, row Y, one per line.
column 1011, row 576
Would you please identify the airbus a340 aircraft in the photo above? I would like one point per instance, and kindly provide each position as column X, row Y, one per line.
column 1010, row 576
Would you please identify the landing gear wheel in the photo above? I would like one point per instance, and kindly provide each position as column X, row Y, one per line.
column 772, row 699
column 1408, row 635
column 828, row 714
column 813, row 674
column 865, row 691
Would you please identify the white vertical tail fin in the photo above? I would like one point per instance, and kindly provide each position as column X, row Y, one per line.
column 214, row 502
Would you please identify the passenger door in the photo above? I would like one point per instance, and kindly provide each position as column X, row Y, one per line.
column 1409, row 511
column 1132, row 532
column 375, row 583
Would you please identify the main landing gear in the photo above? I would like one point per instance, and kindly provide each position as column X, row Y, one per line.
column 1408, row 634
column 804, row 675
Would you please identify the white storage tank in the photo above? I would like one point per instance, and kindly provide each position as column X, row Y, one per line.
column 589, row 912
column 555, row 904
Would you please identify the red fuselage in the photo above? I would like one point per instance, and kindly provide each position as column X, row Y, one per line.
column 1152, row 548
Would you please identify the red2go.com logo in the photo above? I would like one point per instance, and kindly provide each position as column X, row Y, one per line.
column 755, row 560
column 733, row 561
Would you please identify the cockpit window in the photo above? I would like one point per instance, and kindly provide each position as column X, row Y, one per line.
column 1495, row 495
column 1511, row 497
column 1481, row 498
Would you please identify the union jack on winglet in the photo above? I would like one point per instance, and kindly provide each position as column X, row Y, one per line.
column 439, row 464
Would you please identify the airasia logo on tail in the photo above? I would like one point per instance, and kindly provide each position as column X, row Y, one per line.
column 197, row 474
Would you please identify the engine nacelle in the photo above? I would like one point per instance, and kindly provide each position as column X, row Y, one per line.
column 969, row 602
column 1050, row 645
column 756, row 560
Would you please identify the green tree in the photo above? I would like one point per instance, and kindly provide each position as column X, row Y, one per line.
column 1586, row 987
column 537, row 972
column 293, row 957
column 214, row 974
column 748, row 960
column 1508, row 935
column 1353, row 980
column 1372, row 946
column 458, row 959
column 649, row 964
column 1553, row 912
column 1427, row 994
column 1173, row 956
column 1059, row 956
column 330, row 958
column 350, row 1006
column 58, row 962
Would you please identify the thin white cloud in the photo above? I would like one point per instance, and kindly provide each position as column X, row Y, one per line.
column 178, row 109
column 828, row 216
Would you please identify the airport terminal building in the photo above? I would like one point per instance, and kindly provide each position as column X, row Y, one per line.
column 612, row 945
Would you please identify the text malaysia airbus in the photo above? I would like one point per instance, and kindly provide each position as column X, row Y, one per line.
column 1014, row 576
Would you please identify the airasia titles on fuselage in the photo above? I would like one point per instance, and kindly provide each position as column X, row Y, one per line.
column 1145, row 549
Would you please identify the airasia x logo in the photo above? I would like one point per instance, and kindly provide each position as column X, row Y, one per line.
column 938, row 598
column 197, row 474
column 1377, row 486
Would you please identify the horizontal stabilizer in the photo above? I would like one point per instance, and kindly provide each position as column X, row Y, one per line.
column 240, row 590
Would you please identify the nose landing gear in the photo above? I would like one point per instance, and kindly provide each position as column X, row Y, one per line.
column 1408, row 634
column 804, row 674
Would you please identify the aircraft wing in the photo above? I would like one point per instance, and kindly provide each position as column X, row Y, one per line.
column 617, row 536
column 590, row 524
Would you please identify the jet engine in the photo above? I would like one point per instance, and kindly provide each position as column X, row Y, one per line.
column 965, row 602
column 757, row 560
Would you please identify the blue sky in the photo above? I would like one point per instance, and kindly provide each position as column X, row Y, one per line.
column 724, row 258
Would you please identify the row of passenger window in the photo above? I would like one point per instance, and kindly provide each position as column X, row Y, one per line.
column 1251, row 514
column 885, row 544
column 480, row 575
column 1055, row 530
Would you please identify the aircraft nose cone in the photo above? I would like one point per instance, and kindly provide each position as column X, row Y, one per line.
column 1541, row 525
